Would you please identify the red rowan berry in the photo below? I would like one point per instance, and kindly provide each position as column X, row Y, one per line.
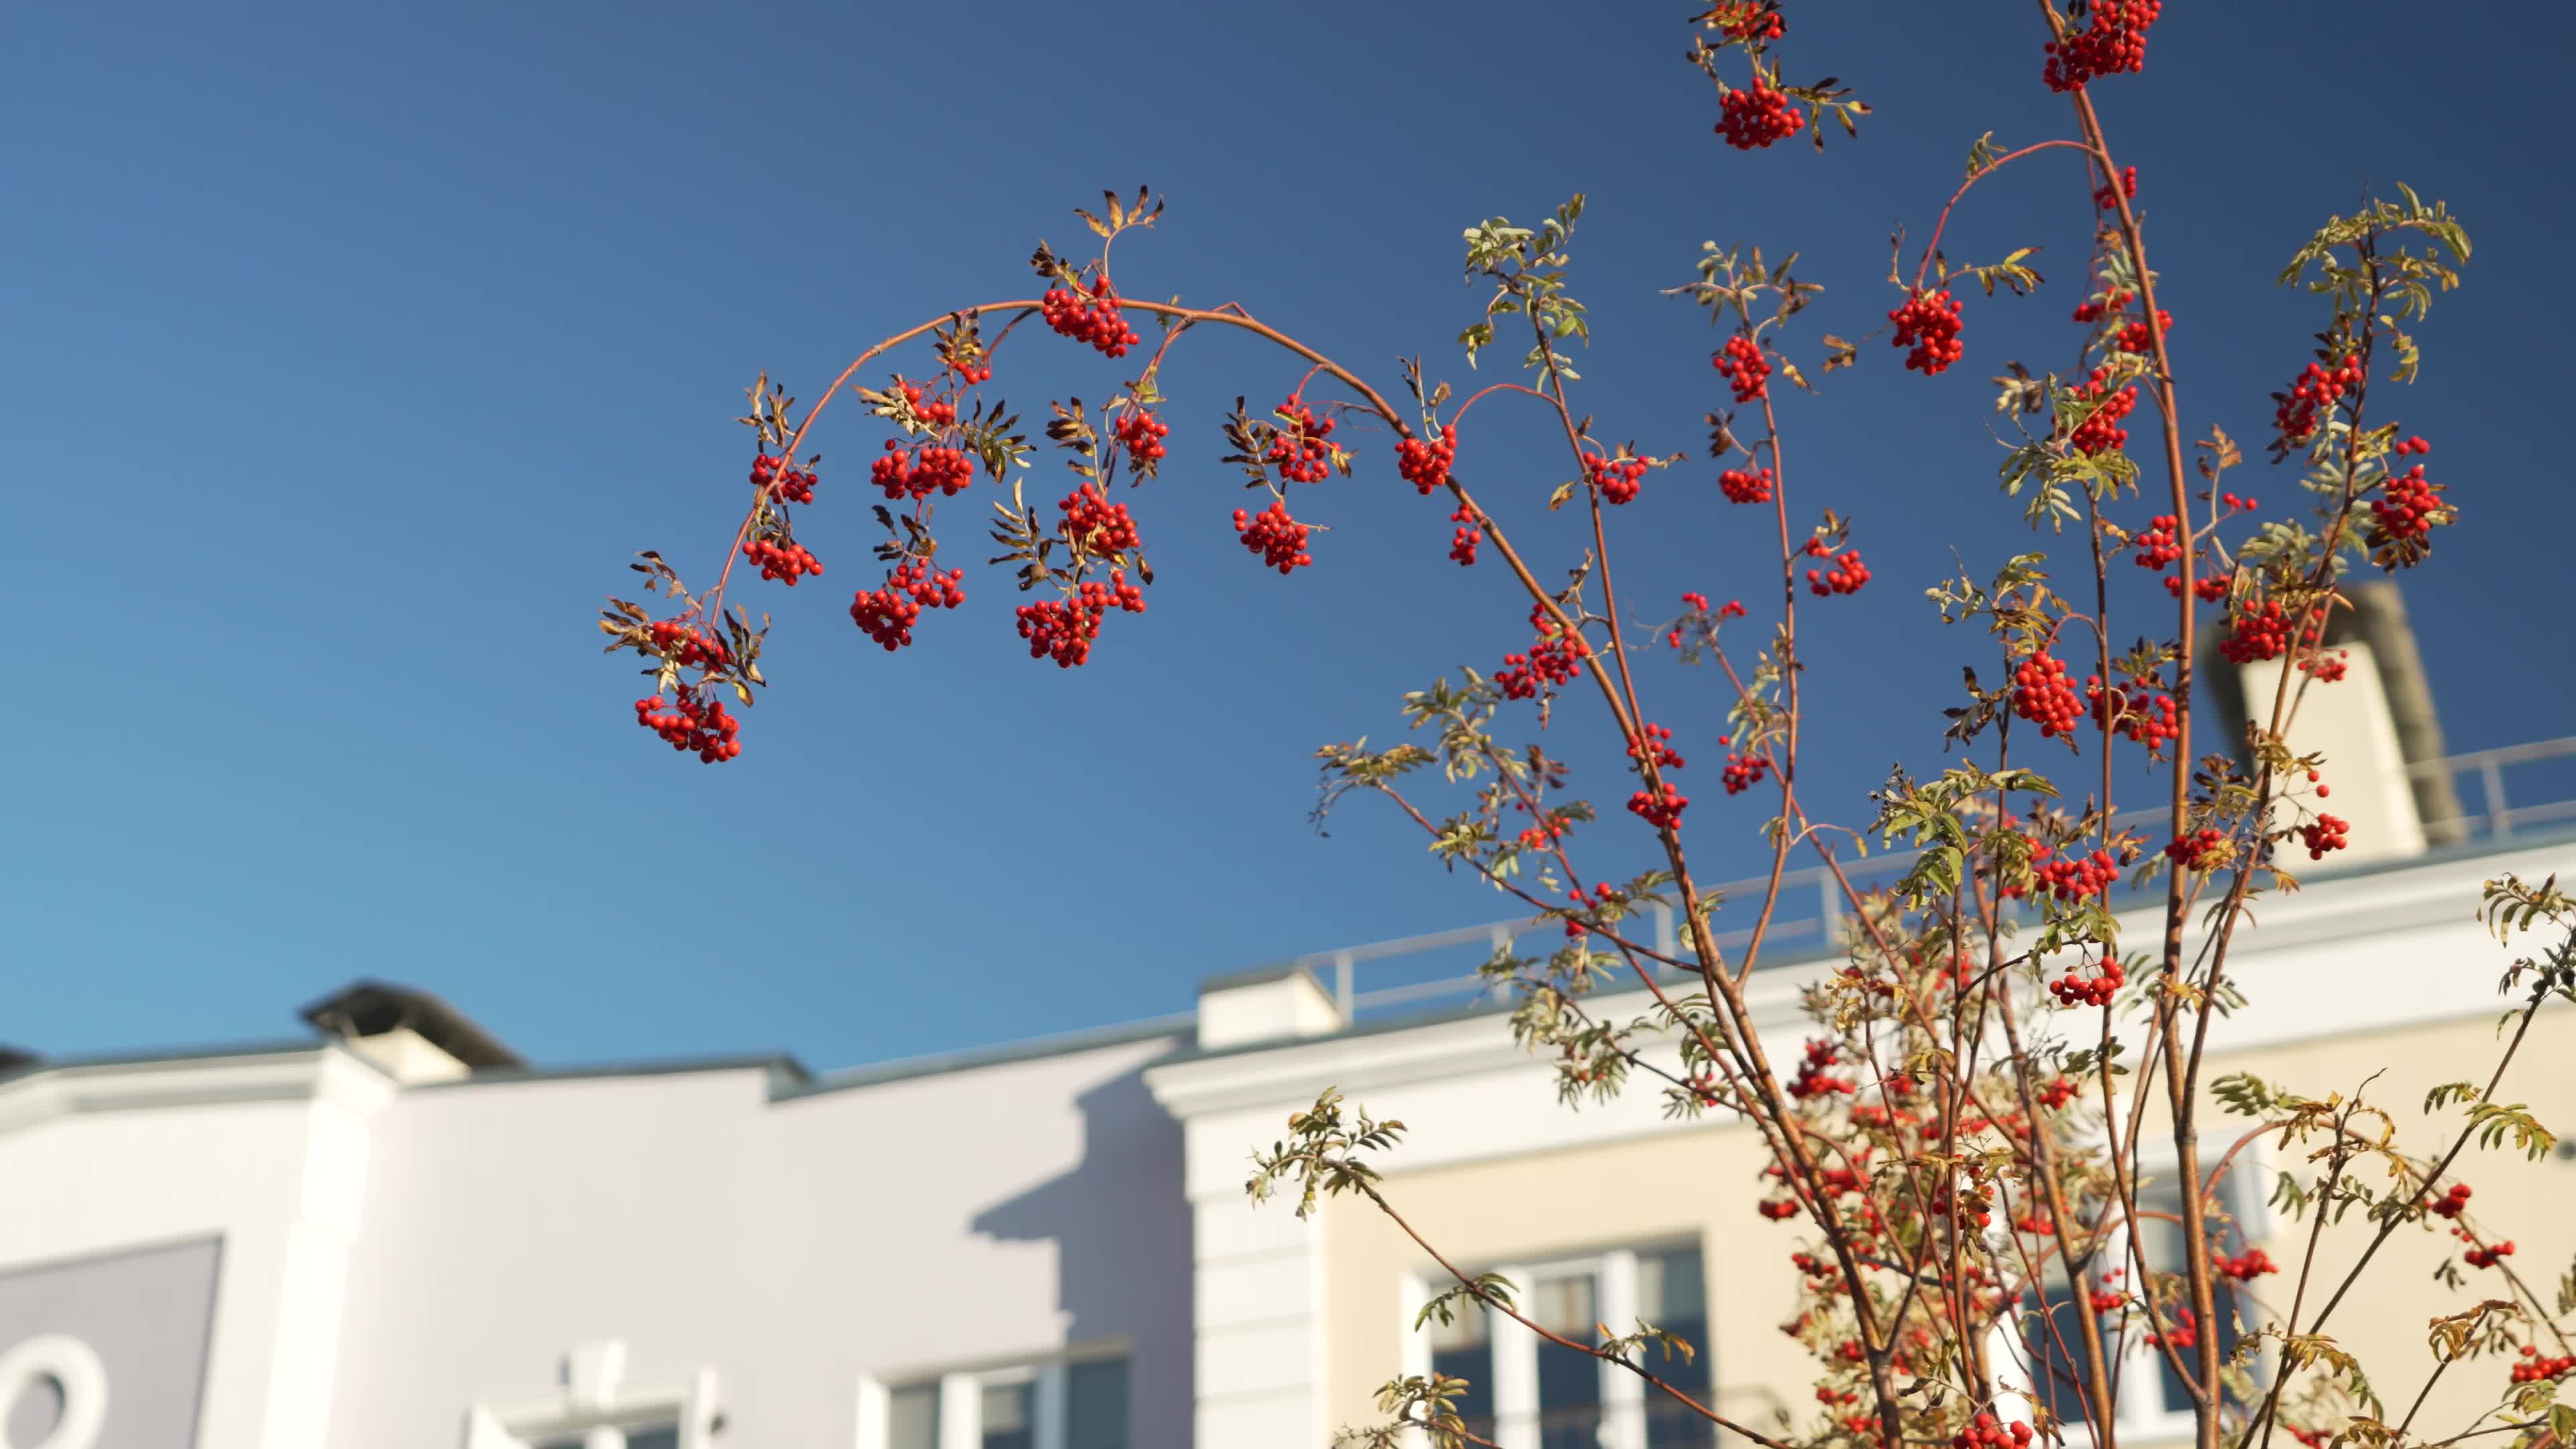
column 2042, row 695
column 1278, row 538
column 2247, row 1266
column 2323, row 834
column 2113, row 40
column 2533, row 1368
column 2209, row 588
column 785, row 562
column 1095, row 525
column 692, row 725
column 1142, row 434
column 2134, row 338
column 1743, row 772
column 1929, row 324
column 1751, row 20
column 1846, row 577
column 2191, row 851
column 1654, row 742
column 1617, row 478
column 2103, row 197
column 1661, row 808
column 1746, row 486
column 1462, row 544
column 1090, row 316
column 1425, row 464
column 796, row 485
column 2487, row 1257
column 1298, row 450
column 688, row 646
column 1751, row 120
column 1744, row 367
column 2295, row 412
column 2099, row 989
column 887, row 613
column 2100, row 431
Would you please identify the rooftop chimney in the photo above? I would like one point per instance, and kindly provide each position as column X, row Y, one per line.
column 2372, row 726
column 412, row 1035
column 1265, row 1006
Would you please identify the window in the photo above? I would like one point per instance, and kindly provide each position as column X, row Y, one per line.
column 1079, row 1403
column 2153, row 1402
column 659, row 1436
column 1524, row 1390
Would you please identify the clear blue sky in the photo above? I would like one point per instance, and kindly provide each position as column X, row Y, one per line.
column 349, row 351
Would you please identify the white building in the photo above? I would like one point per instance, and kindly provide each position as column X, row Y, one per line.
column 393, row 1234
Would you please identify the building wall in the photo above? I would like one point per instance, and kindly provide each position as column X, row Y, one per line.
column 2382, row 972
column 264, row 1153
column 893, row 1230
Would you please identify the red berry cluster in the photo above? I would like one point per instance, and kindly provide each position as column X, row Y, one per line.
column 1090, row 316
column 2111, row 304
column 2209, row 588
column 1462, row 544
column 1751, row 120
column 1617, row 478
column 2134, row 336
column 2057, row 1093
column 2141, row 714
column 1743, row 772
column 2042, row 696
column 1654, row 742
column 1985, row 1433
column 2113, row 40
column 2409, row 507
column 2108, row 1298
column 1748, row 20
column 2259, row 634
column 1101, row 528
column 2484, row 1257
column 1425, row 465
column 2450, row 1204
column 2157, row 547
column 2101, row 431
column 973, row 370
column 2073, row 880
column 2323, row 834
column 689, row 646
column 2415, row 446
column 2245, row 1267
column 1746, row 486
column 1815, row 1076
column 2076, row 989
column 1063, row 629
column 796, row 485
column 1298, row 450
column 1777, row 1211
column 1661, row 808
column 1279, row 539
column 692, row 725
column 786, row 562
column 2295, row 412
column 1142, row 434
column 1744, row 367
column 2532, row 1368
column 2187, row 852
column 1845, row 577
column 2328, row 668
column 937, row 412
column 935, row 469
column 1551, row 661
column 2184, row 1334
column 887, row 613
column 2106, row 200
column 1929, row 323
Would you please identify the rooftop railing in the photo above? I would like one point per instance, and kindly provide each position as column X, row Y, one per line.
column 1371, row 980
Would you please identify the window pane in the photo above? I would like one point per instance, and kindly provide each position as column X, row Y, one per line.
column 1474, row 1362
column 912, row 1418
column 1009, row 1416
column 2162, row 1238
column 1672, row 1295
column 2053, row 1351
column 666, row 1436
column 1096, row 1405
column 1569, row 1382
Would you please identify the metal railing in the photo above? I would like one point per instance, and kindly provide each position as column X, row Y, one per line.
column 1811, row 903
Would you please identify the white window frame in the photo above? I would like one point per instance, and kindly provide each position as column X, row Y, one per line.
column 1514, row 1349
column 961, row 1397
column 2144, row 1416
column 596, row 1406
